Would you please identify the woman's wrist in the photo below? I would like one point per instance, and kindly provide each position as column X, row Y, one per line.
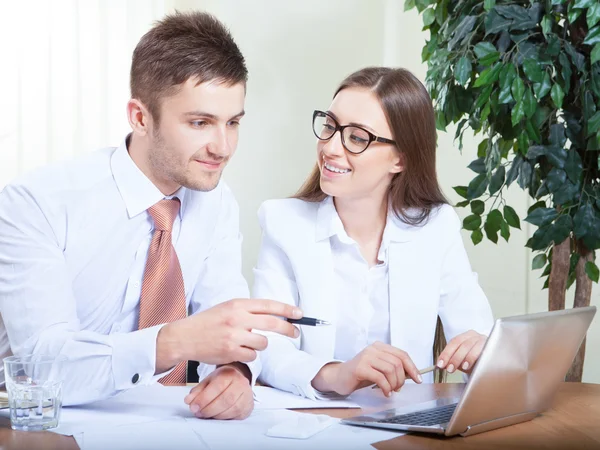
column 324, row 381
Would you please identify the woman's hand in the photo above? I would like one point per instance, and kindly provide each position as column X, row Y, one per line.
column 462, row 352
column 379, row 363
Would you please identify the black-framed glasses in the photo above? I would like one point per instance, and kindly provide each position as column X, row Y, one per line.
column 354, row 139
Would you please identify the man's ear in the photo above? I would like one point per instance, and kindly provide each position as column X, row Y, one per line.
column 138, row 116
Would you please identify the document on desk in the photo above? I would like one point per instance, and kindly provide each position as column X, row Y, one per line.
column 270, row 398
column 141, row 404
column 255, row 433
column 148, row 436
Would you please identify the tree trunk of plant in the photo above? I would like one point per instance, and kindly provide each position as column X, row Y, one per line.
column 557, row 286
column 583, row 295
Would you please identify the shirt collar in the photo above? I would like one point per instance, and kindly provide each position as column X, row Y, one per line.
column 136, row 189
column 329, row 224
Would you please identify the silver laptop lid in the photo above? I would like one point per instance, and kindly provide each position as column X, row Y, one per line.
column 521, row 366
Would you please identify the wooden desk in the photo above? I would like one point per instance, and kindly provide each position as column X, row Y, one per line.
column 572, row 423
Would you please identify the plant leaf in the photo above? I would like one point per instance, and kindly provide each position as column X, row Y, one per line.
column 593, row 36
column 591, row 269
column 573, row 14
column 582, row 4
column 464, row 28
column 514, row 170
column 489, row 75
column 495, row 23
column 539, row 261
column 504, row 231
column 428, row 17
column 521, row 19
column 476, row 237
column 533, row 70
column 486, row 53
column 461, row 190
column 540, row 204
column 541, row 89
column 547, row 23
column 478, row 165
column 583, row 220
column 557, row 95
column 540, row 239
column 497, row 180
column 595, row 55
column 529, row 103
column 569, row 192
column 517, row 113
column 593, row 124
column 484, row 97
column 541, row 216
column 518, row 88
column 557, row 135
column 561, row 229
column 532, row 132
column 489, row 4
column 472, row 222
column 577, row 58
column 573, row 165
column 477, row 207
column 525, row 174
column 593, row 15
column 555, row 179
column 511, row 217
column 491, row 234
column 477, row 186
column 462, row 70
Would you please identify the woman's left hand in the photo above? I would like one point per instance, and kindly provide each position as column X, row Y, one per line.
column 462, row 352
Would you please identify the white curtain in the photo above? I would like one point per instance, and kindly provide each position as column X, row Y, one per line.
column 64, row 76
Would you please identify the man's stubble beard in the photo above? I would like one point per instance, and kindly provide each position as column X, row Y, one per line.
column 164, row 163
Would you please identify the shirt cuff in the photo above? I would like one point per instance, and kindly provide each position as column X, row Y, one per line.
column 134, row 358
column 255, row 368
column 309, row 371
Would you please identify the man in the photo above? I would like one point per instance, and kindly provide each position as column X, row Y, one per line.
column 103, row 258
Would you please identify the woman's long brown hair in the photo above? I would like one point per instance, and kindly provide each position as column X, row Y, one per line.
column 414, row 192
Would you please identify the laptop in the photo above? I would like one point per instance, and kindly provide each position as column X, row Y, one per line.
column 520, row 368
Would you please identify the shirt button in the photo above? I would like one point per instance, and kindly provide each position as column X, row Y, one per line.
column 117, row 328
column 135, row 378
column 136, row 284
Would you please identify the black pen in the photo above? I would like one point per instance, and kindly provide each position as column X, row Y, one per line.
column 309, row 321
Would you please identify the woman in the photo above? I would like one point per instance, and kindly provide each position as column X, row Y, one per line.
column 370, row 245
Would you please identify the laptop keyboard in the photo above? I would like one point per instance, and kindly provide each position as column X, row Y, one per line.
column 425, row 418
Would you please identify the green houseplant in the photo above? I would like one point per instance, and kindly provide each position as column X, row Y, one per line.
column 524, row 76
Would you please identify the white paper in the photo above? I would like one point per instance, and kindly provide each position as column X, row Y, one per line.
column 270, row 398
column 251, row 433
column 303, row 426
column 147, row 436
column 138, row 405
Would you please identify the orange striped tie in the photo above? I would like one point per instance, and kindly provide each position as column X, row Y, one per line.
column 163, row 292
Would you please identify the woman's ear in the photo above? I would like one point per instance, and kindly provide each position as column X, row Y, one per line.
column 398, row 163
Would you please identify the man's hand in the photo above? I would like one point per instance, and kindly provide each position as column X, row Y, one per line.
column 462, row 352
column 222, row 334
column 224, row 394
column 379, row 363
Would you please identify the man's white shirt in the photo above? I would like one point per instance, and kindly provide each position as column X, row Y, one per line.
column 73, row 244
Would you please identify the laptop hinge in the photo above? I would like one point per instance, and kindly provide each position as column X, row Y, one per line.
column 499, row 423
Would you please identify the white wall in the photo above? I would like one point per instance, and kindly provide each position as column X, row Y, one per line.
column 64, row 89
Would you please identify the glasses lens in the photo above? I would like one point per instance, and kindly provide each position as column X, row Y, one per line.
column 356, row 139
column 323, row 126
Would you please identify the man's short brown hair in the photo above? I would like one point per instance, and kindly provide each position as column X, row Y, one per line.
column 179, row 47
